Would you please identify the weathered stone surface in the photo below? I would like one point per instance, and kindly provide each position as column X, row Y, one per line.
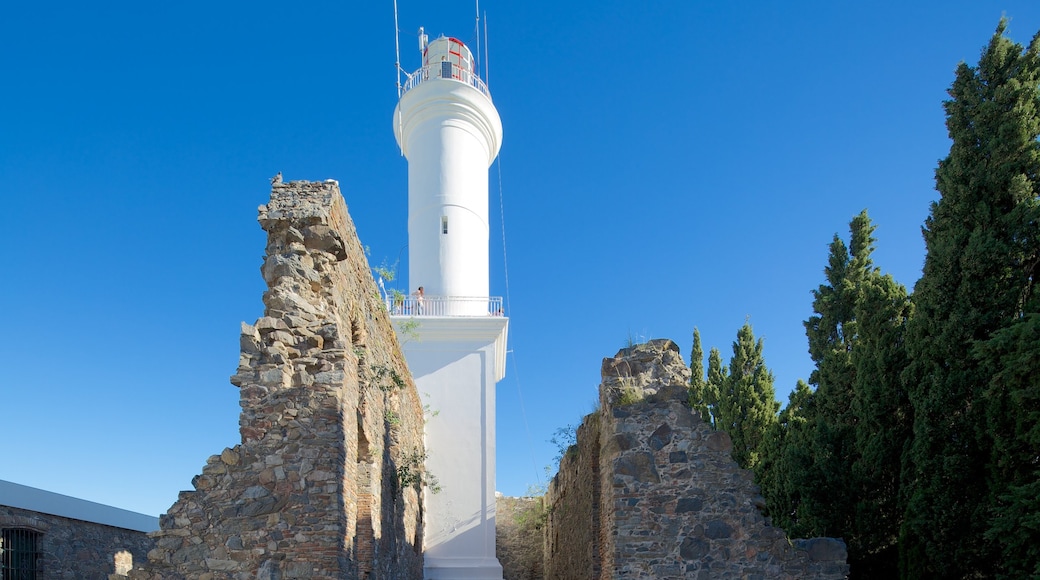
column 694, row 548
column 639, row 465
column 651, row 491
column 689, row 504
column 77, row 549
column 643, row 371
column 518, row 537
column 720, row 441
column 718, row 529
column 312, row 490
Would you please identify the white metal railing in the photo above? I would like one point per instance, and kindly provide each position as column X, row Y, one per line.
column 444, row 305
column 446, row 70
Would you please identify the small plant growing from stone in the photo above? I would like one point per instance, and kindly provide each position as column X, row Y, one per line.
column 391, row 418
column 565, row 440
column 428, row 410
column 387, row 379
column 386, row 272
column 629, row 396
column 409, row 329
column 411, row 472
column 535, row 515
column 397, row 299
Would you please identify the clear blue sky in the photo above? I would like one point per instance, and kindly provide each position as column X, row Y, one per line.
column 665, row 165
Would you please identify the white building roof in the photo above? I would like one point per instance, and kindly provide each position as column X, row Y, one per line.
column 55, row 504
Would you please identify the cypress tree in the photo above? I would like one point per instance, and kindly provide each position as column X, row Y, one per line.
column 718, row 376
column 697, row 383
column 786, row 457
column 980, row 238
column 1012, row 357
column 748, row 404
column 830, row 490
column 883, row 424
column 834, row 462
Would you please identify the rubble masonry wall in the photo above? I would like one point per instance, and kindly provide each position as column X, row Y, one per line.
column 671, row 502
column 326, row 480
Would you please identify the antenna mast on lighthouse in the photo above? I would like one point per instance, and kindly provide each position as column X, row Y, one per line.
column 397, row 50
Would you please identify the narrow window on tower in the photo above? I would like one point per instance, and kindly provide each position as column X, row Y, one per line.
column 444, row 224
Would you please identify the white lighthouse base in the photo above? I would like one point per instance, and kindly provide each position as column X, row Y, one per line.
column 455, row 362
column 462, row 569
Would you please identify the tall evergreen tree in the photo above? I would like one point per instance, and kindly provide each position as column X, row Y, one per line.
column 830, row 490
column 698, row 384
column 977, row 281
column 1012, row 357
column 718, row 375
column 747, row 406
column 833, row 462
column 883, row 424
column 786, row 456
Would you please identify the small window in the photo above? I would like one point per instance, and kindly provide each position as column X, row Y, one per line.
column 19, row 554
column 444, row 224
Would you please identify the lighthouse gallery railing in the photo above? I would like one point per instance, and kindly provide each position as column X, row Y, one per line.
column 446, row 70
column 444, row 305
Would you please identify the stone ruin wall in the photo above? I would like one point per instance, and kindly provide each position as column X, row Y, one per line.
column 71, row 548
column 326, row 480
column 651, row 491
column 518, row 537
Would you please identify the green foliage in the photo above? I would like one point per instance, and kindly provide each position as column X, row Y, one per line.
column 747, row 403
column 698, row 384
column 412, row 472
column 564, row 439
column 534, row 515
column 978, row 280
column 831, row 462
column 883, row 424
column 385, row 271
column 785, row 458
column 718, row 375
column 829, row 488
column 409, row 329
column 629, row 396
column 1012, row 359
column 387, row 379
column 397, row 300
column 428, row 411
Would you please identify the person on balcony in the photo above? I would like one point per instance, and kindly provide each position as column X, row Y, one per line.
column 420, row 297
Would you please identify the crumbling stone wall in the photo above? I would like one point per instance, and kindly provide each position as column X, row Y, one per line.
column 77, row 549
column 326, row 482
column 671, row 502
column 518, row 537
column 573, row 534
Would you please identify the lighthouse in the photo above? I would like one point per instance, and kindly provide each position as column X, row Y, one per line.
column 454, row 332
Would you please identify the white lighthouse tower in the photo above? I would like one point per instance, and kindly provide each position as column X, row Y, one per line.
column 454, row 333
